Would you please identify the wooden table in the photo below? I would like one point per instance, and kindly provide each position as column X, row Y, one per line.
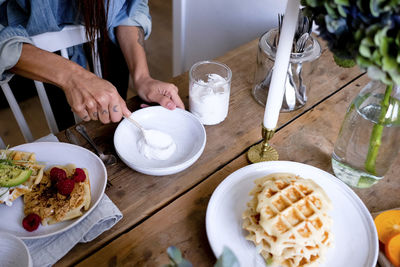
column 170, row 210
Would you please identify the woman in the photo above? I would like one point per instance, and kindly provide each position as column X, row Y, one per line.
column 125, row 23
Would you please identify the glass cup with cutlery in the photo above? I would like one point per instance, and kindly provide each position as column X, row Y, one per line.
column 305, row 50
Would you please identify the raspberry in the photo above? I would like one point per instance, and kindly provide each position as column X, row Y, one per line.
column 79, row 175
column 65, row 186
column 31, row 222
column 57, row 174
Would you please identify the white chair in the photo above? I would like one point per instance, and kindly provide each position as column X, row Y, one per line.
column 51, row 41
column 209, row 28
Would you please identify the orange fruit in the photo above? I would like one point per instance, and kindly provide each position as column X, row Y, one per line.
column 387, row 225
column 392, row 250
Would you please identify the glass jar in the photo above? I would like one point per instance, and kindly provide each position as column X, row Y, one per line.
column 369, row 138
column 299, row 71
column 209, row 90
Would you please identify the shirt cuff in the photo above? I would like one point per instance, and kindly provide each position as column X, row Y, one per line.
column 11, row 41
column 139, row 20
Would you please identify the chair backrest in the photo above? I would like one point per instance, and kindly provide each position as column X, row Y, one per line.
column 51, row 41
column 207, row 29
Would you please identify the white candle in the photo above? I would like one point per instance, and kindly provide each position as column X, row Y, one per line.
column 276, row 88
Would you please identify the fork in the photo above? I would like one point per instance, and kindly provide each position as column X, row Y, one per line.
column 82, row 130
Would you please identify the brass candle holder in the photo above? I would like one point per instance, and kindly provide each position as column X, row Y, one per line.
column 263, row 151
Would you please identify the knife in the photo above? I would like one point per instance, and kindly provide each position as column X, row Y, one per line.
column 71, row 137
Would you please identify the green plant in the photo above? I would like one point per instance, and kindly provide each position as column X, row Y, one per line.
column 176, row 259
column 227, row 258
column 366, row 32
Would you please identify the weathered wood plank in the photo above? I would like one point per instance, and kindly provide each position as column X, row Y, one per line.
column 139, row 196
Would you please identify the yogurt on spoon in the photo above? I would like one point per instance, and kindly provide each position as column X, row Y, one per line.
column 154, row 144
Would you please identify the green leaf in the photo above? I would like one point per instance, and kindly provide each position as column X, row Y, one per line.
column 312, row 3
column 174, row 254
column 176, row 258
column 388, row 63
column 364, row 51
column 368, row 41
column 372, row 30
column 331, row 10
column 363, row 62
column 385, row 44
column 185, row 263
column 359, row 4
column 358, row 35
column 335, row 26
column 374, row 7
column 380, row 35
column 342, row 11
column 377, row 57
column 342, row 2
column 227, row 259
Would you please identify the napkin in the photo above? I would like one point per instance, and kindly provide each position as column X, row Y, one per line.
column 47, row 251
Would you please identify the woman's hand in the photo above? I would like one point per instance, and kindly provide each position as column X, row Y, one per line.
column 131, row 42
column 93, row 98
column 154, row 91
column 88, row 95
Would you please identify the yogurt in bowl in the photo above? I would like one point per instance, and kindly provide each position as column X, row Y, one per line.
column 185, row 130
column 156, row 145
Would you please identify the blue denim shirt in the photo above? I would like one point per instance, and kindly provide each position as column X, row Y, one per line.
column 20, row 19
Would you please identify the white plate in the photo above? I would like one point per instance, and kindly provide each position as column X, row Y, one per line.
column 355, row 237
column 54, row 153
column 13, row 252
column 185, row 129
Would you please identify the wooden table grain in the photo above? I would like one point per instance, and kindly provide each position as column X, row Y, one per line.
column 170, row 210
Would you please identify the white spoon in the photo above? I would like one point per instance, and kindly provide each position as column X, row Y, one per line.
column 143, row 130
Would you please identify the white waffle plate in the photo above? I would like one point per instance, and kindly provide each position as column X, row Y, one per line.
column 355, row 237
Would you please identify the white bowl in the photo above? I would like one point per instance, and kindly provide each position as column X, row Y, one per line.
column 186, row 130
column 13, row 252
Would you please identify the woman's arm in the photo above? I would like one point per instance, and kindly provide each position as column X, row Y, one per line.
column 131, row 41
column 88, row 95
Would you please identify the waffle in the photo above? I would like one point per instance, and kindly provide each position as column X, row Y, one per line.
column 287, row 220
column 28, row 160
column 53, row 207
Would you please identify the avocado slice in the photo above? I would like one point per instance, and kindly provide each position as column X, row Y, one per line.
column 11, row 175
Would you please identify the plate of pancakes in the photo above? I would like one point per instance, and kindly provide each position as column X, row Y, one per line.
column 284, row 213
column 81, row 201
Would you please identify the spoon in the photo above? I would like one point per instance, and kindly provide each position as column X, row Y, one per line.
column 108, row 159
column 301, row 42
column 143, row 130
